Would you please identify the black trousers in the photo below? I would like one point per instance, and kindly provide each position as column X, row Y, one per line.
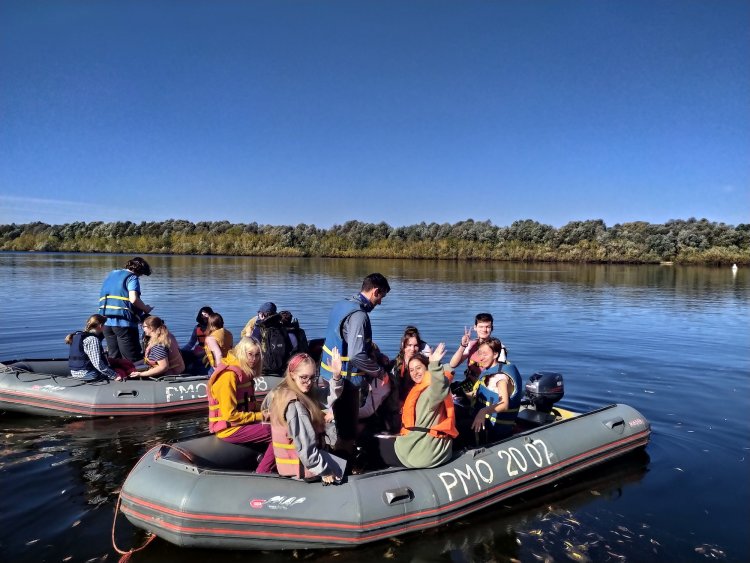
column 123, row 342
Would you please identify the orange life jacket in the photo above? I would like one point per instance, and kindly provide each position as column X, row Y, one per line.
column 245, row 397
column 445, row 427
column 287, row 460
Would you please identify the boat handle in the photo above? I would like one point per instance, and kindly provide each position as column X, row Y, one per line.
column 398, row 496
column 132, row 393
column 615, row 423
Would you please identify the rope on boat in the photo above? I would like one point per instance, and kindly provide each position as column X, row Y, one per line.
column 187, row 455
column 126, row 554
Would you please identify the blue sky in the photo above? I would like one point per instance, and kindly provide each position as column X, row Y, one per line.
column 399, row 111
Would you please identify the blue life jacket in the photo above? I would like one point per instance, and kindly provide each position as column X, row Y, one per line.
column 499, row 424
column 78, row 359
column 334, row 338
column 114, row 297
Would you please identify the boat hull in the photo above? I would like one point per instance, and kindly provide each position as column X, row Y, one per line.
column 177, row 495
column 42, row 388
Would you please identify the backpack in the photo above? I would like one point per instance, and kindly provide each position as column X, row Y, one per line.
column 274, row 344
column 292, row 327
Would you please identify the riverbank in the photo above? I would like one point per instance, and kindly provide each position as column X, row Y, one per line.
column 691, row 242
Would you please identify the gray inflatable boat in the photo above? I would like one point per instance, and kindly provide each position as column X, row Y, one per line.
column 44, row 387
column 202, row 492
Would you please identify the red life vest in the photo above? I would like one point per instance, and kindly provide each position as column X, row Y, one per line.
column 445, row 427
column 245, row 397
column 287, row 460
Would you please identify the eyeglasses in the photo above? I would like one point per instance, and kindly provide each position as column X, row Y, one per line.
column 307, row 378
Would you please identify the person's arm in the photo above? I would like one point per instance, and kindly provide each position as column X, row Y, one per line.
column 224, row 389
column 134, row 294
column 192, row 342
column 93, row 350
column 336, row 383
column 502, row 405
column 303, row 435
column 354, row 333
column 159, row 362
column 460, row 354
column 212, row 347
column 439, row 382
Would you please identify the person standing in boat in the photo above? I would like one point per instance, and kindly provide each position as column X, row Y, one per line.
column 233, row 413
column 429, row 424
column 219, row 340
column 298, row 421
column 162, row 353
column 497, row 395
column 86, row 360
column 120, row 301
column 194, row 353
column 349, row 331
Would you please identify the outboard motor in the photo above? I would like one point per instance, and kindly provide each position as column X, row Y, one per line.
column 543, row 390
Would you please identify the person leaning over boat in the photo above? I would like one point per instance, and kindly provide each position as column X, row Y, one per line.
column 194, row 353
column 429, row 424
column 298, row 421
column 86, row 360
column 162, row 352
column 349, row 330
column 233, row 414
column 120, row 301
column 497, row 395
column 219, row 340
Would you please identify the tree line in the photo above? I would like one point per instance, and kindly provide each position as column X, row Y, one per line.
column 691, row 241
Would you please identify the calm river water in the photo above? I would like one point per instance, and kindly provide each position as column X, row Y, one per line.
column 673, row 342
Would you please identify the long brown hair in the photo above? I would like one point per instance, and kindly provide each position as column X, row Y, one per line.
column 215, row 322
column 159, row 331
column 94, row 321
column 309, row 400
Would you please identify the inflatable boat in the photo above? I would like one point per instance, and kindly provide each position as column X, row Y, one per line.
column 201, row 492
column 44, row 387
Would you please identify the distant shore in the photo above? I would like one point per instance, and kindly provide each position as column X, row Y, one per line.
column 690, row 241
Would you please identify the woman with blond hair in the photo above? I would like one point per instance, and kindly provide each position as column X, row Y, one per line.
column 86, row 360
column 298, row 421
column 233, row 413
column 162, row 352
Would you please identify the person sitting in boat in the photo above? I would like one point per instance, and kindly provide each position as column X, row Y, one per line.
column 467, row 350
column 219, row 340
column 233, row 414
column 298, row 421
column 411, row 344
column 86, row 360
column 266, row 310
column 497, row 395
column 429, row 425
column 162, row 352
column 193, row 353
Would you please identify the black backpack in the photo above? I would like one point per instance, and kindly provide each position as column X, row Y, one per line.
column 274, row 344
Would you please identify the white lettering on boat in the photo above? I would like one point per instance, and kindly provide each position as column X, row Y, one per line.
column 48, row 388
column 481, row 475
column 260, row 384
column 185, row 392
